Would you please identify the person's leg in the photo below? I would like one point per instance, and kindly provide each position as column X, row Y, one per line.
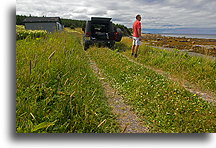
column 133, row 46
column 136, row 50
column 137, row 47
column 132, row 49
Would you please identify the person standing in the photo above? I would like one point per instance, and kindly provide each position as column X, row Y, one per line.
column 136, row 36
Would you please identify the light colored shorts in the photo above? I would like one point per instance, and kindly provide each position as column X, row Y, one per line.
column 136, row 41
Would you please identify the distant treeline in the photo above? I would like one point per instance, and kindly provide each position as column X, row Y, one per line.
column 75, row 24
column 19, row 19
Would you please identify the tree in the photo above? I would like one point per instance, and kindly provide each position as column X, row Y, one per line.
column 19, row 19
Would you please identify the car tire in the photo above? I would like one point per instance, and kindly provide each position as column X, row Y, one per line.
column 111, row 45
column 86, row 46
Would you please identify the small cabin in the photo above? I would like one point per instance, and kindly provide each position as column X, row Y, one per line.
column 50, row 24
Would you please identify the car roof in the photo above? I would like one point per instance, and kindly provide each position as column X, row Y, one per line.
column 100, row 19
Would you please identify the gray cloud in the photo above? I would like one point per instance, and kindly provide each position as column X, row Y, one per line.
column 156, row 14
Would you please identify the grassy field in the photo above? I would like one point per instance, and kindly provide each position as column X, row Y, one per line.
column 163, row 105
column 198, row 71
column 57, row 91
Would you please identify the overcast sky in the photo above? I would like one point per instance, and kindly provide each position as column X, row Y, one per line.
column 156, row 14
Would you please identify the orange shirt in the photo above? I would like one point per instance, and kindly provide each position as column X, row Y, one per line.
column 136, row 27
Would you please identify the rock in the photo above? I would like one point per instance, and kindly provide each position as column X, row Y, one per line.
column 183, row 41
column 205, row 49
column 190, row 50
column 167, row 45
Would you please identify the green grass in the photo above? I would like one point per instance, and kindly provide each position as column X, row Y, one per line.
column 163, row 105
column 57, row 92
column 198, row 71
column 21, row 33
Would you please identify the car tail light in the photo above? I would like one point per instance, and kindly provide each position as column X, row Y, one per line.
column 116, row 35
column 88, row 34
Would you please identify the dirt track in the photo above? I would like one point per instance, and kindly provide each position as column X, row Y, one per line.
column 204, row 95
column 128, row 121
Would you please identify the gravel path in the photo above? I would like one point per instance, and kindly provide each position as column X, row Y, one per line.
column 128, row 121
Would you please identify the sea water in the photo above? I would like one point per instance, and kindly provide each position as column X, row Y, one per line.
column 201, row 36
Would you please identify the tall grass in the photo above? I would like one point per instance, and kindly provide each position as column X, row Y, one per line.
column 57, row 91
column 199, row 71
column 162, row 104
column 21, row 33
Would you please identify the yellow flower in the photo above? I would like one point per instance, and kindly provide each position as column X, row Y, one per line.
column 194, row 95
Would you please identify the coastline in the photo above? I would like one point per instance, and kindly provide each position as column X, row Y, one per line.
column 200, row 36
column 198, row 45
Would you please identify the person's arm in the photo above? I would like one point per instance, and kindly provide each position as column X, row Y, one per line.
column 139, row 32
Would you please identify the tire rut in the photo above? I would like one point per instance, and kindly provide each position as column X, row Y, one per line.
column 189, row 87
column 128, row 121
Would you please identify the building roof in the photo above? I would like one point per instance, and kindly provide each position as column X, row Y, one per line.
column 41, row 19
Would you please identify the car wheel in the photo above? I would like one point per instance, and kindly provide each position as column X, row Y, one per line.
column 86, row 46
column 112, row 45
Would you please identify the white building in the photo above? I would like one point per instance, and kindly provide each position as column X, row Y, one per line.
column 50, row 24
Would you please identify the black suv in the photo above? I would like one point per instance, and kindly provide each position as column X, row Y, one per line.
column 100, row 31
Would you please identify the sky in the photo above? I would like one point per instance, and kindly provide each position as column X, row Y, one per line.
column 164, row 16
